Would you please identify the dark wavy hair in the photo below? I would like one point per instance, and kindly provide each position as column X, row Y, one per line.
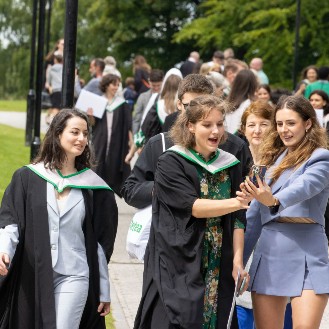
column 107, row 80
column 51, row 151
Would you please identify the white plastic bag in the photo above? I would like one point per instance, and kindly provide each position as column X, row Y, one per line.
column 139, row 232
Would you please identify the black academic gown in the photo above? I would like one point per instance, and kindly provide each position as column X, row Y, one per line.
column 112, row 168
column 137, row 189
column 27, row 292
column 172, row 264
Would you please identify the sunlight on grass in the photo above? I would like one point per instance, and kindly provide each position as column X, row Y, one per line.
column 13, row 105
column 13, row 154
column 109, row 321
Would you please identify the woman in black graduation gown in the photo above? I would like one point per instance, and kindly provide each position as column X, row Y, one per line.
column 196, row 240
column 52, row 207
column 111, row 136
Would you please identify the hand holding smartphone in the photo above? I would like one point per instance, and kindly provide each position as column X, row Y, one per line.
column 257, row 170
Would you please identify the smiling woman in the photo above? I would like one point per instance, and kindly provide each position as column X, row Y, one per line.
column 198, row 223
column 48, row 202
column 287, row 216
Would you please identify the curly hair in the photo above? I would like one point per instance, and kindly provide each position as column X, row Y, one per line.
column 198, row 109
column 314, row 138
column 51, row 151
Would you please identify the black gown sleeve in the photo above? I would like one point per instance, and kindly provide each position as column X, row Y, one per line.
column 174, row 187
column 105, row 220
column 13, row 197
column 137, row 189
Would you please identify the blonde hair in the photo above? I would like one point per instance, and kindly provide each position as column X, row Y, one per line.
column 198, row 109
column 314, row 138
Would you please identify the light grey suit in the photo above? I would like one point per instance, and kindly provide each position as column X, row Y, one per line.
column 70, row 243
column 289, row 254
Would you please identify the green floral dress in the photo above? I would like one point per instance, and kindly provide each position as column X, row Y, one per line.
column 217, row 187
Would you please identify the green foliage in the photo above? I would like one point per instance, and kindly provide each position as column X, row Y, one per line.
column 166, row 31
column 264, row 29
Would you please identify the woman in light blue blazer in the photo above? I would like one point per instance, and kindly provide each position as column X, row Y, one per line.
column 287, row 215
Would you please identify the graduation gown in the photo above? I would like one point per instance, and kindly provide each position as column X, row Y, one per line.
column 172, row 263
column 27, row 293
column 137, row 189
column 110, row 159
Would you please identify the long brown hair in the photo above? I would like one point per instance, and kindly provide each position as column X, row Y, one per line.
column 198, row 109
column 141, row 63
column 51, row 151
column 314, row 138
column 169, row 91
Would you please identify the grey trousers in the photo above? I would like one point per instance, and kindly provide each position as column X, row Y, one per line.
column 70, row 298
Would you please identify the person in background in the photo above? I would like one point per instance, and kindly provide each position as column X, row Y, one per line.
column 228, row 54
column 96, row 69
column 111, row 66
column 218, row 60
column 55, row 86
column 286, row 220
column 129, row 93
column 219, row 82
column 321, row 84
column 257, row 64
column 309, row 75
column 264, row 93
column 243, row 92
column 112, row 135
column 188, row 66
column 320, row 101
column 141, row 70
column 58, row 223
column 147, row 99
column 277, row 93
column 164, row 105
column 231, row 69
column 195, row 248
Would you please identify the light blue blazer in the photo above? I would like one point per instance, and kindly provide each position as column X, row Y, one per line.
column 286, row 253
column 302, row 193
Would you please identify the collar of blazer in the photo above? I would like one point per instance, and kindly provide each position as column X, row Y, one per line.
column 284, row 177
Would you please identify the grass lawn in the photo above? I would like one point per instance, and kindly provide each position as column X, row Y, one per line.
column 13, row 155
column 13, row 105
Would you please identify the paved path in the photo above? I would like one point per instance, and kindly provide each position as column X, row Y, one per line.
column 125, row 274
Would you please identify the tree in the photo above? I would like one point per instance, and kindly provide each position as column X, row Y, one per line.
column 264, row 29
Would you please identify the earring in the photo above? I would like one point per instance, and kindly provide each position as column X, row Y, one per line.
column 306, row 131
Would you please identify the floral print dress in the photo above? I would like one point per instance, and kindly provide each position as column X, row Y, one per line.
column 217, row 187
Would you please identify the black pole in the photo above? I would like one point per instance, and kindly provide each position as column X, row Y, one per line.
column 296, row 44
column 31, row 95
column 70, row 37
column 49, row 7
column 39, row 79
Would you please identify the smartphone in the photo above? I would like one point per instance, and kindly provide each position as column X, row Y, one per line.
column 257, row 170
column 242, row 286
